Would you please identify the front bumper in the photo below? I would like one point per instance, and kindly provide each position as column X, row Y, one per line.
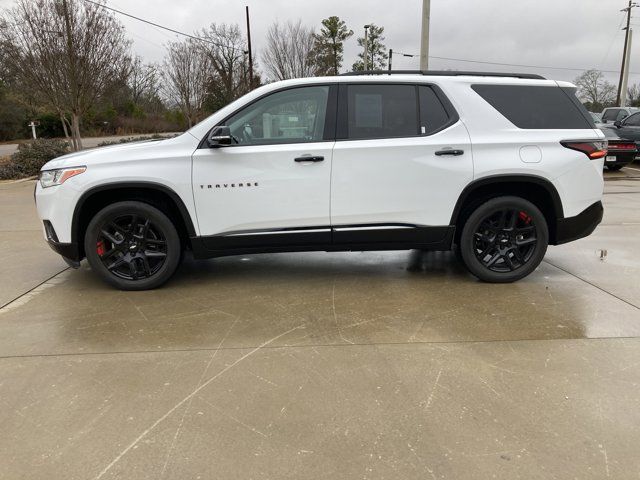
column 69, row 251
column 582, row 225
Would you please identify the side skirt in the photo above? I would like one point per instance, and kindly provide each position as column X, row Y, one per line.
column 337, row 239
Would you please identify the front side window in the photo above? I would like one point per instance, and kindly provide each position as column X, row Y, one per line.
column 622, row 114
column 296, row 115
column 633, row 120
column 382, row 111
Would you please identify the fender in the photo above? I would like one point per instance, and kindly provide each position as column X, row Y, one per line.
column 184, row 213
column 508, row 178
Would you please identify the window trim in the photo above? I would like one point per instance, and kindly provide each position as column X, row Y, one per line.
column 342, row 124
column 329, row 120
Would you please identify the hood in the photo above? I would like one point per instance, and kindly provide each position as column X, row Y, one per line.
column 123, row 152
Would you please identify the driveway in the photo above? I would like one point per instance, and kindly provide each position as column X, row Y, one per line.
column 323, row 365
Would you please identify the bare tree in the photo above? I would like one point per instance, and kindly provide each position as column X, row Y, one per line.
column 142, row 80
column 594, row 90
column 288, row 53
column 633, row 95
column 67, row 52
column 226, row 52
column 186, row 73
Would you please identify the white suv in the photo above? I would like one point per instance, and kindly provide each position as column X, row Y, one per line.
column 497, row 166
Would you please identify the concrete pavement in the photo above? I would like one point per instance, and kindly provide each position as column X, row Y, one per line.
column 333, row 365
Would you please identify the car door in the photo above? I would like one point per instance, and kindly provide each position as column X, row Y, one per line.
column 400, row 161
column 271, row 186
column 630, row 129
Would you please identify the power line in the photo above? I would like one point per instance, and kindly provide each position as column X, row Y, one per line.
column 465, row 60
column 200, row 39
column 543, row 67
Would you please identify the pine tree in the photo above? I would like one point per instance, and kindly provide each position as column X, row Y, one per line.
column 378, row 55
column 327, row 54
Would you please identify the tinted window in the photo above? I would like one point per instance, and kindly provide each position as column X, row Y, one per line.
column 290, row 116
column 433, row 116
column 535, row 107
column 622, row 114
column 633, row 120
column 611, row 115
column 381, row 111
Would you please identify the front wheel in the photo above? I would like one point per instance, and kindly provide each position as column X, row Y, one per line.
column 504, row 240
column 132, row 246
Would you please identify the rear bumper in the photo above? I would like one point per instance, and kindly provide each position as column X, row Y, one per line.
column 622, row 158
column 582, row 225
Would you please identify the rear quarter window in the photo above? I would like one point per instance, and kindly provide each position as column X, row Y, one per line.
column 536, row 107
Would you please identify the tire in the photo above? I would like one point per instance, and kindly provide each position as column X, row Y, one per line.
column 504, row 240
column 614, row 168
column 132, row 246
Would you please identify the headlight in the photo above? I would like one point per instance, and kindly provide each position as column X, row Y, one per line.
column 51, row 178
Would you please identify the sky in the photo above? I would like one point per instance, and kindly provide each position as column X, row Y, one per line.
column 572, row 34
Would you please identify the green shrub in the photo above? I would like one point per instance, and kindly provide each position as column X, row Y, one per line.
column 30, row 158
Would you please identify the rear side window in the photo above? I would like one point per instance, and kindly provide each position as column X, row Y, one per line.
column 611, row 115
column 382, row 111
column 433, row 116
column 535, row 107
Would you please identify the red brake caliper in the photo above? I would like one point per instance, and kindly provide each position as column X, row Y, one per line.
column 525, row 218
column 100, row 248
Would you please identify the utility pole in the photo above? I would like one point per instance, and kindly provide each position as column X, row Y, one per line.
column 627, row 67
column 249, row 47
column 390, row 57
column 632, row 4
column 424, row 39
column 366, row 47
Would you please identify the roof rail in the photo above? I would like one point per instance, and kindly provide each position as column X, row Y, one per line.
column 444, row 73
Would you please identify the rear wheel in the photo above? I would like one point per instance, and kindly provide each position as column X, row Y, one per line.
column 504, row 240
column 132, row 246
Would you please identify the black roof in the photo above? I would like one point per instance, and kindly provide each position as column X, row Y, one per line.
column 445, row 73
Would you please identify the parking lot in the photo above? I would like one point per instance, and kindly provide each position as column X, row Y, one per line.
column 323, row 365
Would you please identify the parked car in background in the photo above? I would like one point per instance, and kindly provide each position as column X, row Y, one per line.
column 611, row 115
column 621, row 151
column 597, row 119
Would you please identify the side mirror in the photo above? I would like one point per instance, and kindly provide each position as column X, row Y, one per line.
column 617, row 123
column 219, row 137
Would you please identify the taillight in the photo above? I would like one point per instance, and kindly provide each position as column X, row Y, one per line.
column 624, row 146
column 593, row 149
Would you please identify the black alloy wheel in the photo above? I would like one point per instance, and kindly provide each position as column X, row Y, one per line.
column 504, row 239
column 132, row 245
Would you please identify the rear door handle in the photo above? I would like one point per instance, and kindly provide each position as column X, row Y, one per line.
column 309, row 158
column 449, row 151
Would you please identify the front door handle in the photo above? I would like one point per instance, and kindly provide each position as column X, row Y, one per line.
column 309, row 158
column 449, row 151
